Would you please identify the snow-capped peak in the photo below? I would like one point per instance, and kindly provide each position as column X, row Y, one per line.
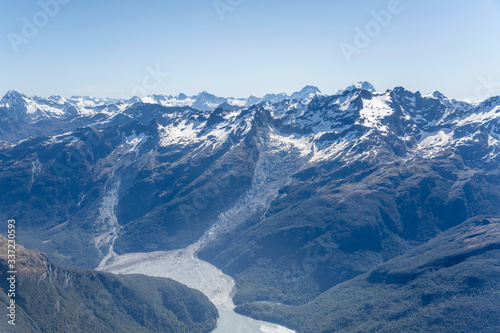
column 306, row 93
column 437, row 95
column 363, row 85
column 274, row 98
column 12, row 97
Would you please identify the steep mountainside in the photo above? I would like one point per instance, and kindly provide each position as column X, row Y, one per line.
column 450, row 284
column 289, row 196
column 390, row 178
column 54, row 299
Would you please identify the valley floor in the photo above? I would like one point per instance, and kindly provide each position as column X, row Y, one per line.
column 184, row 267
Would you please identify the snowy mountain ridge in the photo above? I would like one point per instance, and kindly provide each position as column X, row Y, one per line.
column 424, row 124
column 36, row 108
column 348, row 180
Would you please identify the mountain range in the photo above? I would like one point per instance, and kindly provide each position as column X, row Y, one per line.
column 299, row 198
column 36, row 108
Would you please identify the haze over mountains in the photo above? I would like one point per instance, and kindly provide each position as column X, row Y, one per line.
column 297, row 198
column 36, row 108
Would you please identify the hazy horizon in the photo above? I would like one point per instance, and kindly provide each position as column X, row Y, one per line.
column 67, row 96
column 243, row 48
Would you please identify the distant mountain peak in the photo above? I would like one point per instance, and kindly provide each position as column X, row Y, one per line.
column 134, row 100
column 306, row 92
column 310, row 88
column 182, row 97
column 437, row 94
column 14, row 99
column 12, row 94
column 205, row 93
column 363, row 85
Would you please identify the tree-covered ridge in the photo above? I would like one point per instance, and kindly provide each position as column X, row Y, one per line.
column 450, row 284
column 50, row 298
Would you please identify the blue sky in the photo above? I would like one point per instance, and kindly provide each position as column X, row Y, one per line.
column 105, row 48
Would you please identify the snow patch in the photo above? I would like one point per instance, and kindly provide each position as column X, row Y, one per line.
column 182, row 134
column 135, row 141
column 480, row 117
column 432, row 145
column 374, row 110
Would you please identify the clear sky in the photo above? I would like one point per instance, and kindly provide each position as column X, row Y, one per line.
column 106, row 47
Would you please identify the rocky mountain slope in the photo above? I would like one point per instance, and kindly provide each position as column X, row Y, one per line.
column 289, row 196
column 450, row 284
column 50, row 298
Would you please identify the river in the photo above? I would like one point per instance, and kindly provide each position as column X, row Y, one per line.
column 184, row 267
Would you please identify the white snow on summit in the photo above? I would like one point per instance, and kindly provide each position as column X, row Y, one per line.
column 363, row 85
column 374, row 110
